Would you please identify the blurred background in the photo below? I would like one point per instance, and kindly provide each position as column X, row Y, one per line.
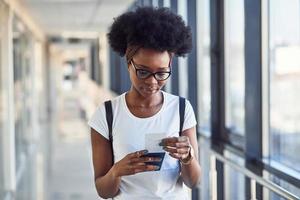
column 242, row 78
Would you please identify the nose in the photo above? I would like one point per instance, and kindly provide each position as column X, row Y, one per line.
column 151, row 80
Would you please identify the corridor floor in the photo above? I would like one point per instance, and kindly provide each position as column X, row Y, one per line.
column 71, row 171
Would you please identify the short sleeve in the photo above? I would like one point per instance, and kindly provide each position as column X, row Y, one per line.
column 98, row 121
column 189, row 116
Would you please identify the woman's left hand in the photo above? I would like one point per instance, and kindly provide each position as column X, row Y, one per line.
column 178, row 147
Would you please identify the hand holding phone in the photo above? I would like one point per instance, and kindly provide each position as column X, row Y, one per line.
column 155, row 155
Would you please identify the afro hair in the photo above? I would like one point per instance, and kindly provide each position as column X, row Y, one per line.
column 154, row 28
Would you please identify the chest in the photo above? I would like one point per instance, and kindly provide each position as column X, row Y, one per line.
column 144, row 112
column 129, row 133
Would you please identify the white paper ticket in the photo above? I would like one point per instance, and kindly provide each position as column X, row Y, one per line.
column 152, row 141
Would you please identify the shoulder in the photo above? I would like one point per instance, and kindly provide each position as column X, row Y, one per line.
column 170, row 97
column 115, row 102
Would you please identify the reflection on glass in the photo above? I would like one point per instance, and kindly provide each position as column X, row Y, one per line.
column 204, row 88
column 234, row 65
column 234, row 180
column 284, row 51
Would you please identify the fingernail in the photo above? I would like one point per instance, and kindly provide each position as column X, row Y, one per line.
column 146, row 151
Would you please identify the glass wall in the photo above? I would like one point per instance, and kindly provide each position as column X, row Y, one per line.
column 182, row 61
column 204, row 92
column 204, row 87
column 295, row 190
column 23, row 87
column 1, row 99
column 233, row 180
column 284, row 70
column 234, row 65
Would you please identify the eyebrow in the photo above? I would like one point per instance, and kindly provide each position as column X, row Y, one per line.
column 160, row 68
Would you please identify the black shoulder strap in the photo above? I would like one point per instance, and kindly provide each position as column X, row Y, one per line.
column 181, row 113
column 109, row 120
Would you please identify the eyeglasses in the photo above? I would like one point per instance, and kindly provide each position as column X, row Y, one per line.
column 144, row 74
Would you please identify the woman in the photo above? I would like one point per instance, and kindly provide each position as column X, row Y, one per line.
column 149, row 38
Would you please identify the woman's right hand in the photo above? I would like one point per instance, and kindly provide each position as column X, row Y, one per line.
column 134, row 163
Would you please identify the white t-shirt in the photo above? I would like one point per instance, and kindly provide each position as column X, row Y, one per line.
column 129, row 136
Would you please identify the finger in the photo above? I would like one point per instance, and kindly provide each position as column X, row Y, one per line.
column 181, row 151
column 145, row 159
column 144, row 168
column 169, row 141
column 178, row 156
column 174, row 140
column 139, row 165
column 135, row 168
column 152, row 167
column 183, row 144
column 170, row 149
column 138, row 153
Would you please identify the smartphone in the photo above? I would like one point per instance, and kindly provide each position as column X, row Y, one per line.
column 160, row 155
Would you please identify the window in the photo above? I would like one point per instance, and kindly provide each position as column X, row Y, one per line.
column 284, row 71
column 234, row 65
column 182, row 61
column 204, row 88
column 168, row 87
column 291, row 188
column 19, row 93
column 3, row 97
column 22, row 55
column 234, row 181
column 1, row 103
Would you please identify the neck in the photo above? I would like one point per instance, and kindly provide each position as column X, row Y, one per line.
column 137, row 100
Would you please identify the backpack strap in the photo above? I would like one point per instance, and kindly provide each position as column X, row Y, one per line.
column 109, row 120
column 181, row 113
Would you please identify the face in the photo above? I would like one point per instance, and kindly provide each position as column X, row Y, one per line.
column 151, row 61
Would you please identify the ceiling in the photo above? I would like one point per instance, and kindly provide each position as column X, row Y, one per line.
column 81, row 18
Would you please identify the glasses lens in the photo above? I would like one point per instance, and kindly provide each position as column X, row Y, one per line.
column 162, row 75
column 142, row 73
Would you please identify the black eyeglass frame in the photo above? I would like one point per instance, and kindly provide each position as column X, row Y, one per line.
column 150, row 73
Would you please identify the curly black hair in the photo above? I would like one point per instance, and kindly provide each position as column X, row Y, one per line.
column 155, row 28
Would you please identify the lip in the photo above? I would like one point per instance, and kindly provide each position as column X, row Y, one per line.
column 150, row 89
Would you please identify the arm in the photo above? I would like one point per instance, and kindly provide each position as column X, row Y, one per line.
column 108, row 175
column 180, row 148
column 106, row 182
column 192, row 171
